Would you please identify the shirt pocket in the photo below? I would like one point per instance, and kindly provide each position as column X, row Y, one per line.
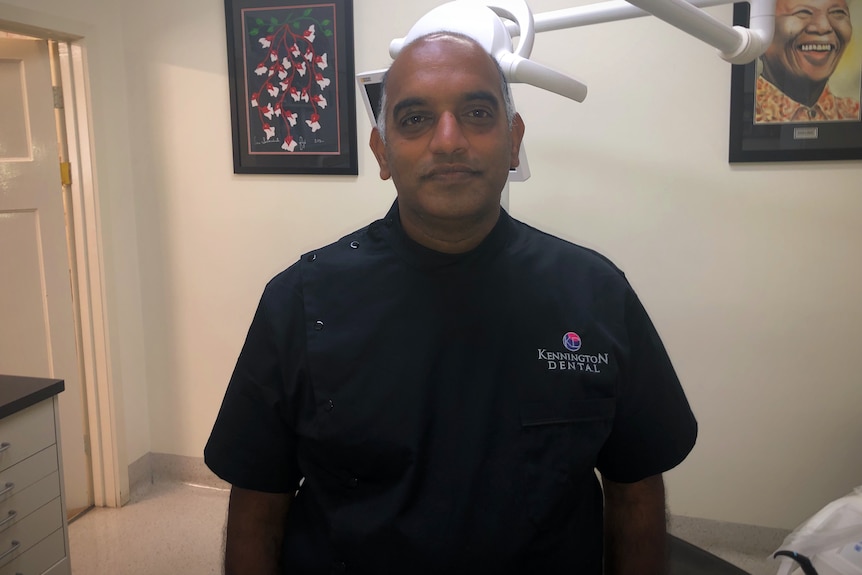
column 562, row 439
column 570, row 411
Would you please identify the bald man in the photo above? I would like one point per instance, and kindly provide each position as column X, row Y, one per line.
column 435, row 392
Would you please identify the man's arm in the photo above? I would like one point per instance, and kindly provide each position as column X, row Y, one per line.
column 255, row 532
column 635, row 527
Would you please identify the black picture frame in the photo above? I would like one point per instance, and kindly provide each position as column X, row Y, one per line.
column 784, row 141
column 292, row 89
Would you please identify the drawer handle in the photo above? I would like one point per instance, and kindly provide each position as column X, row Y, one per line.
column 15, row 546
column 9, row 487
column 4, row 446
column 12, row 515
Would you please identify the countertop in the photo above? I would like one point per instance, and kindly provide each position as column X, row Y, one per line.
column 18, row 392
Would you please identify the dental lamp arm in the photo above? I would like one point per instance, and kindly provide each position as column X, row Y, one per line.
column 494, row 23
column 526, row 71
column 597, row 13
column 736, row 44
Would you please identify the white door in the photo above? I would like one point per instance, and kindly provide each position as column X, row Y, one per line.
column 37, row 329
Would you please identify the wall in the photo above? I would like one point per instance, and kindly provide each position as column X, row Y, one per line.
column 751, row 273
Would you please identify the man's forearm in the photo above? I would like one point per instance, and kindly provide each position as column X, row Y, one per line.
column 635, row 527
column 255, row 532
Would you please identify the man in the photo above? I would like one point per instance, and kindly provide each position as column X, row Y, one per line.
column 810, row 38
column 446, row 380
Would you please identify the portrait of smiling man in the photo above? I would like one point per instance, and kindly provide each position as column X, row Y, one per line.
column 810, row 38
column 449, row 390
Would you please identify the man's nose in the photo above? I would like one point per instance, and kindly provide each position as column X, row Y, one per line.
column 819, row 23
column 448, row 136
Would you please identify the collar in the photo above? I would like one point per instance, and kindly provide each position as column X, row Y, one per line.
column 422, row 257
column 777, row 105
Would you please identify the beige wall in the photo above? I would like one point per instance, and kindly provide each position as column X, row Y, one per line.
column 751, row 273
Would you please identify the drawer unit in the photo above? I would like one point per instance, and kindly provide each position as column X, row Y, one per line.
column 26, row 533
column 22, row 475
column 24, row 433
column 33, row 528
column 27, row 501
column 39, row 558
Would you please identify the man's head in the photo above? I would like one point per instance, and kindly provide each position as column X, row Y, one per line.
column 810, row 38
column 450, row 136
column 504, row 88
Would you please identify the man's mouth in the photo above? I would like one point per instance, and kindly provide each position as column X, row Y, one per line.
column 817, row 47
column 450, row 171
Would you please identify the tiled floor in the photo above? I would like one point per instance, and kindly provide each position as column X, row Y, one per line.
column 176, row 528
column 171, row 528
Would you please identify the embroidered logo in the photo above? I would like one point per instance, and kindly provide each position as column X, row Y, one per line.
column 572, row 341
column 571, row 360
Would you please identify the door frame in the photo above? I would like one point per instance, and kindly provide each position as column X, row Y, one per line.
column 103, row 401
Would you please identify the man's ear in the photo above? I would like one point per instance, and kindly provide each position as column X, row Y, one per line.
column 517, row 137
column 379, row 150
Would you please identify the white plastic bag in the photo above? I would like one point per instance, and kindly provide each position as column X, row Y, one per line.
column 831, row 539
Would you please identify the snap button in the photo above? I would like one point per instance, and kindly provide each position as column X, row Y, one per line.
column 354, row 244
column 311, row 257
column 330, row 405
column 354, row 481
column 318, row 325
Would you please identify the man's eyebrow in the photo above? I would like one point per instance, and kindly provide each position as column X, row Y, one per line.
column 480, row 95
column 407, row 103
column 483, row 96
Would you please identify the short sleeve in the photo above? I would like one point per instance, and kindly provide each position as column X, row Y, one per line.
column 253, row 441
column 654, row 428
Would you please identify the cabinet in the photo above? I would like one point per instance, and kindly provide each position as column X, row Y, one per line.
column 33, row 529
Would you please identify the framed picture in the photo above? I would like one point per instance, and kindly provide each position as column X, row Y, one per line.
column 292, row 91
column 800, row 101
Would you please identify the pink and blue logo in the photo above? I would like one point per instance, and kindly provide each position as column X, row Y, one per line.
column 572, row 341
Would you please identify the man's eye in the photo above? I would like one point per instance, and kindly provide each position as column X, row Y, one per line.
column 839, row 13
column 802, row 13
column 479, row 113
column 412, row 120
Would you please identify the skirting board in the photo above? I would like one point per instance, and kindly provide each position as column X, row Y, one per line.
column 156, row 467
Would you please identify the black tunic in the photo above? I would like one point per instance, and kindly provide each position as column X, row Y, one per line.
column 447, row 412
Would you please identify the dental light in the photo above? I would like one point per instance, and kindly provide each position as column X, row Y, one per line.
column 494, row 23
column 483, row 23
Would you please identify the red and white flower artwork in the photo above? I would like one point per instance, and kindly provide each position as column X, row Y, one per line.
column 292, row 70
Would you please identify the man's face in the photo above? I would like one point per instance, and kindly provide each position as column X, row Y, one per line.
column 448, row 144
column 810, row 37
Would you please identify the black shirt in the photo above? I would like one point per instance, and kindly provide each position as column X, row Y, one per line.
column 447, row 412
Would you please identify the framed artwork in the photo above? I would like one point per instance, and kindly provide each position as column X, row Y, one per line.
column 292, row 91
column 800, row 100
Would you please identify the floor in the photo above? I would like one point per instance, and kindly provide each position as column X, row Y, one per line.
column 169, row 528
column 174, row 527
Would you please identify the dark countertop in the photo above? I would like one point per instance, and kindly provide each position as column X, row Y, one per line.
column 17, row 392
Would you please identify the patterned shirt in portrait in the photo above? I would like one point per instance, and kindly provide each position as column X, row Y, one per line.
column 774, row 106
